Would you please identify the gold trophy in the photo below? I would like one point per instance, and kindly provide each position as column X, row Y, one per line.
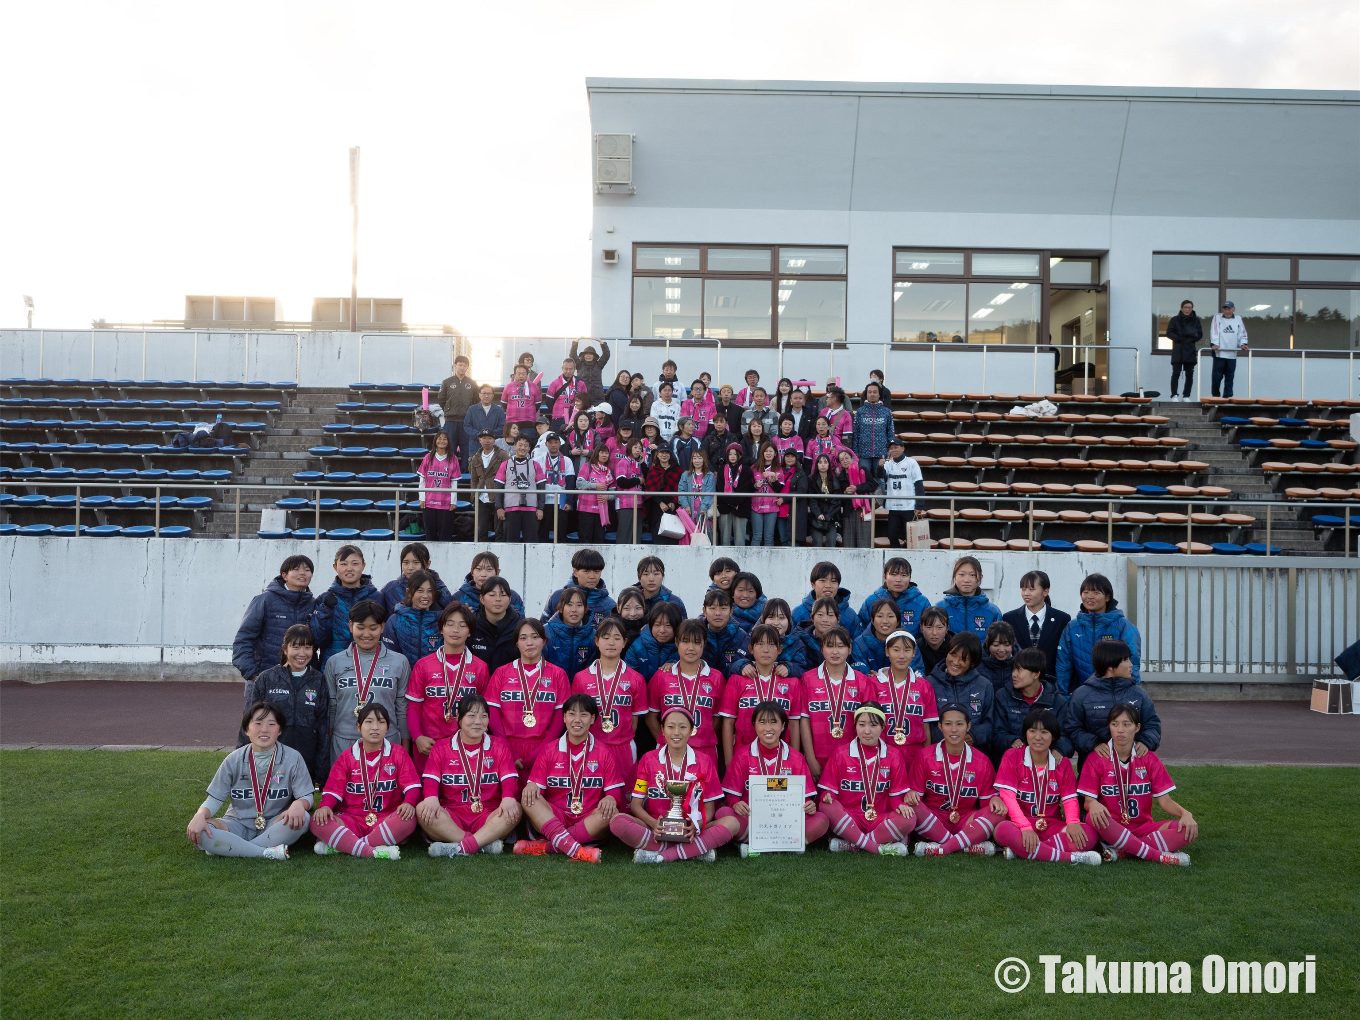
column 673, row 821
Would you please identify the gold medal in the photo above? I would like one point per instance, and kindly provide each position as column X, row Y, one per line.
column 607, row 726
column 900, row 737
column 476, row 805
column 259, row 823
column 448, row 713
column 837, row 732
column 371, row 819
column 575, row 806
column 870, row 814
column 261, row 791
column 1040, row 824
column 953, row 817
column 1123, row 818
column 529, row 719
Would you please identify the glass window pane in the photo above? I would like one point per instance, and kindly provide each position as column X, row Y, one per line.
column 1326, row 318
column 1258, row 269
column 930, row 263
column 1185, row 267
column 823, row 261
column 1329, row 270
column 1062, row 270
column 928, row 311
column 667, row 258
column 1003, row 313
column 666, row 306
column 1267, row 314
column 1005, row 265
column 812, row 310
column 737, row 309
column 739, row 260
column 1166, row 302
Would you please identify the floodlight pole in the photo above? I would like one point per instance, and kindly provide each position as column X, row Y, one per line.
column 354, row 263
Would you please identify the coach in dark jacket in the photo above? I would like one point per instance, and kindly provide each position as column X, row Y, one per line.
column 306, row 704
column 1185, row 332
column 259, row 639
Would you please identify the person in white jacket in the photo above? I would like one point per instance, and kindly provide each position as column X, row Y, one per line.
column 1227, row 337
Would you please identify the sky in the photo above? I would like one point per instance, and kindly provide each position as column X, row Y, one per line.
column 153, row 150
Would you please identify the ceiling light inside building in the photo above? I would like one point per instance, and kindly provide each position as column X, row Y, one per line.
column 796, row 263
column 1258, row 308
column 1002, row 298
column 673, row 260
column 672, row 293
column 672, row 309
column 982, row 313
column 920, row 265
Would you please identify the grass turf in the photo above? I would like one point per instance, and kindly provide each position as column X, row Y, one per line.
column 108, row 910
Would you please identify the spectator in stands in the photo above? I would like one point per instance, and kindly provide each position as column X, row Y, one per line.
column 519, row 499
column 785, row 438
column 1100, row 619
column 330, row 617
column 1185, row 332
column 638, row 384
column 493, row 633
column 668, row 375
column 628, row 503
column 898, row 586
column 485, row 566
column 509, row 433
column 747, row 397
column 969, row 609
column 840, row 418
column 604, row 425
column 485, row 414
column 666, row 411
column 662, row 475
column 997, row 649
column 1113, row 682
column 590, row 367
column 684, row 443
column 765, row 505
column 559, row 482
column 902, row 483
column 804, row 420
column 822, row 442
column 457, row 394
column 826, row 584
column 700, row 407
column 633, row 413
column 935, row 638
column 1036, row 623
column 698, row 480
column 873, row 429
column 297, row 687
column 285, row 602
column 586, row 567
column 563, row 391
column 823, row 513
column 734, row 478
column 521, row 396
column 439, row 473
column 592, row 511
column 414, row 557
column 527, row 360
column 793, row 482
column 957, row 681
column 856, row 526
column 717, row 439
column 580, row 438
column 413, row 630
column 755, row 436
column 618, row 395
column 760, row 409
column 483, row 468
column 782, row 401
column 730, row 409
column 1025, row 691
column 1227, row 338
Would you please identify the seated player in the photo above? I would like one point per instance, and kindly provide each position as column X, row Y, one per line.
column 866, row 651
column 1119, row 792
column 767, row 755
column 689, row 683
column 268, row 790
column 470, row 785
column 368, row 805
column 1039, row 790
column 832, row 693
column 743, row 693
column 674, row 760
column 619, row 696
column 865, row 783
column 571, row 636
column 574, row 789
column 439, row 681
column 907, row 698
column 950, row 784
column 526, row 698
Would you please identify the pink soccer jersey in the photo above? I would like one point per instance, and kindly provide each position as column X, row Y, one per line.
column 627, row 696
column 701, row 695
column 587, row 768
column 435, row 689
column 446, row 776
column 1143, row 779
column 546, row 686
column 754, row 759
column 820, row 694
column 973, row 788
column 699, row 772
column 1016, row 775
column 844, row 774
column 742, row 694
column 521, row 401
column 392, row 780
column 916, row 698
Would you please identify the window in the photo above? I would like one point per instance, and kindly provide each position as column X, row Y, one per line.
column 1081, row 271
column 741, row 294
column 1166, row 302
column 967, row 296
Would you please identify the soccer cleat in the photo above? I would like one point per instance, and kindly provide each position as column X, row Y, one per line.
column 444, row 849
column 1086, row 857
column 744, row 849
column 1009, row 854
column 387, row 853
column 924, row 847
column 984, row 849
column 321, row 849
column 1176, row 860
column 647, row 857
column 839, row 846
column 708, row 856
column 893, row 850
column 589, row 854
column 1109, row 854
column 494, row 847
column 276, row 853
column 536, row 847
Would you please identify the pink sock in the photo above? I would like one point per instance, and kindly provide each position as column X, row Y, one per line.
column 632, row 832
column 929, row 826
column 846, row 828
column 893, row 829
column 337, row 835
column 1126, row 842
column 580, row 833
column 470, row 845
column 391, row 830
column 558, row 837
column 710, row 839
column 975, row 831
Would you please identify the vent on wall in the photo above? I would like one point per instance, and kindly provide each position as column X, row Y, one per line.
column 614, row 164
column 610, row 256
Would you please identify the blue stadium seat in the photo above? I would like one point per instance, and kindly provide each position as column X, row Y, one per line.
column 287, row 384
column 1293, row 423
column 413, row 451
column 176, row 531
column 60, row 502
column 394, row 429
column 267, row 405
column 37, row 499
column 1314, row 444
column 1332, row 521
column 1159, row 547
column 35, row 529
column 292, row 503
column 184, row 475
column 211, row 405
column 69, row 530
column 129, row 502
column 238, row 405
column 336, row 427
column 1228, row 549
column 54, row 474
column 1152, row 490
column 371, row 478
column 257, row 384
column 145, row 448
column 104, row 531
column 309, row 533
column 120, row 474
column 377, row 534
column 1126, row 547
column 389, row 387
column 327, row 503
column 152, row 475
column 339, row 477
column 26, row 472
column 323, row 451
column 83, row 448
column 229, row 384
column 113, row 448
column 404, row 407
column 139, row 531
column 167, row 502
column 357, row 504
column 284, row 533
column 6, row 498
column 348, row 405
column 1259, row 549
column 361, row 387
column 364, row 430
column 195, row 502
column 250, row 427
column 215, row 475
column 352, row 451
column 184, row 405
column 404, row 478
column 89, row 474
column 343, row 534
column 377, row 405
column 1253, row 444
column 97, row 502
column 1056, row 545
column 308, row 477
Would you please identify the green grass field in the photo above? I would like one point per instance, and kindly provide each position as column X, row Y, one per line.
column 108, row 911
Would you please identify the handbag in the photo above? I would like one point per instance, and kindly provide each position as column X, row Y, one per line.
column 671, row 527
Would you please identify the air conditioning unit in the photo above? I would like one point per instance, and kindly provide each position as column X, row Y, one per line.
column 614, row 163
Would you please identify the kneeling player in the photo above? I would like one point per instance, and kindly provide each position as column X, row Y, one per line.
column 368, row 805
column 951, row 788
column 271, row 778
column 1036, row 785
column 470, row 786
column 1119, row 791
column 865, row 783
column 674, row 761
column 570, row 795
column 767, row 755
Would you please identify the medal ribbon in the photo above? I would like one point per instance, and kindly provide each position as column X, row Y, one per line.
column 867, row 777
column 362, row 694
column 451, row 689
column 690, row 701
column 526, row 686
column 953, row 790
column 764, row 693
column 834, row 695
column 473, row 777
column 363, row 776
column 1040, row 795
column 576, row 775
column 1122, row 775
column 255, row 782
column 609, row 688
column 899, row 708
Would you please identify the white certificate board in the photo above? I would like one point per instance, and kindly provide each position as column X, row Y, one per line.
column 776, row 824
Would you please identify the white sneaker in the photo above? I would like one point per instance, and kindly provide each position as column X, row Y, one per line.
column 647, row 857
column 1086, row 857
column 1009, row 854
column 321, row 849
column 893, row 850
column 494, row 847
column 839, row 846
column 708, row 856
column 745, row 850
column 984, row 849
column 276, row 853
column 1180, row 859
column 387, row 853
column 444, row 849
column 1109, row 854
column 923, row 846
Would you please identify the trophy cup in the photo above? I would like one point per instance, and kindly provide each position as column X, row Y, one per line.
column 673, row 822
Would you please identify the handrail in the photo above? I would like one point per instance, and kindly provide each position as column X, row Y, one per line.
column 247, row 333
column 1280, row 352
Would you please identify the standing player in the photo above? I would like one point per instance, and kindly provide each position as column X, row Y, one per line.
column 743, row 693
column 767, row 755
column 864, row 784
column 949, row 784
column 371, row 792
column 906, row 697
column 266, row 785
column 574, row 791
column 1119, row 791
column 674, row 760
column 832, row 693
column 1037, row 787
column 470, row 785
column 366, row 671
column 440, row 681
column 690, row 684
column 619, row 694
column 526, row 698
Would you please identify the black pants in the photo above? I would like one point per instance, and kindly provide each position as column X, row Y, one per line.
column 486, row 520
column 623, row 533
column 1224, row 370
column 438, row 525
column 897, row 527
column 518, row 526
column 561, row 524
column 1189, row 378
column 589, row 528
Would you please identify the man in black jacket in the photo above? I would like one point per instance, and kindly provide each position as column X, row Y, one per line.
column 1185, row 332
column 804, row 417
column 1036, row 623
column 456, row 394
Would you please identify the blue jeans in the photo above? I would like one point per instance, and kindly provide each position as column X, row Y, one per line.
column 1224, row 370
column 763, row 528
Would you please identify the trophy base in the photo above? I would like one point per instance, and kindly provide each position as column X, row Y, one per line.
column 672, row 830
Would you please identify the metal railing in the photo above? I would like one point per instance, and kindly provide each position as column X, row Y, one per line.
column 246, row 333
column 1271, row 354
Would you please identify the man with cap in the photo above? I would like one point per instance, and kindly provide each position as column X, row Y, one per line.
column 560, row 478
column 1227, row 336
column 483, row 464
column 902, row 483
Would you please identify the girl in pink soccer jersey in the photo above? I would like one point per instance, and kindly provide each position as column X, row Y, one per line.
column 1039, row 790
column 619, row 692
column 689, row 683
column 743, row 693
column 674, row 760
column 906, row 697
column 439, row 681
column 865, row 783
column 574, row 791
column 368, row 804
column 767, row 755
column 1119, row 791
column 526, row 698
column 831, row 694
column 951, row 789
column 470, row 785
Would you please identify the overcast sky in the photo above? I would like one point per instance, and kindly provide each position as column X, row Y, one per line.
column 153, row 150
